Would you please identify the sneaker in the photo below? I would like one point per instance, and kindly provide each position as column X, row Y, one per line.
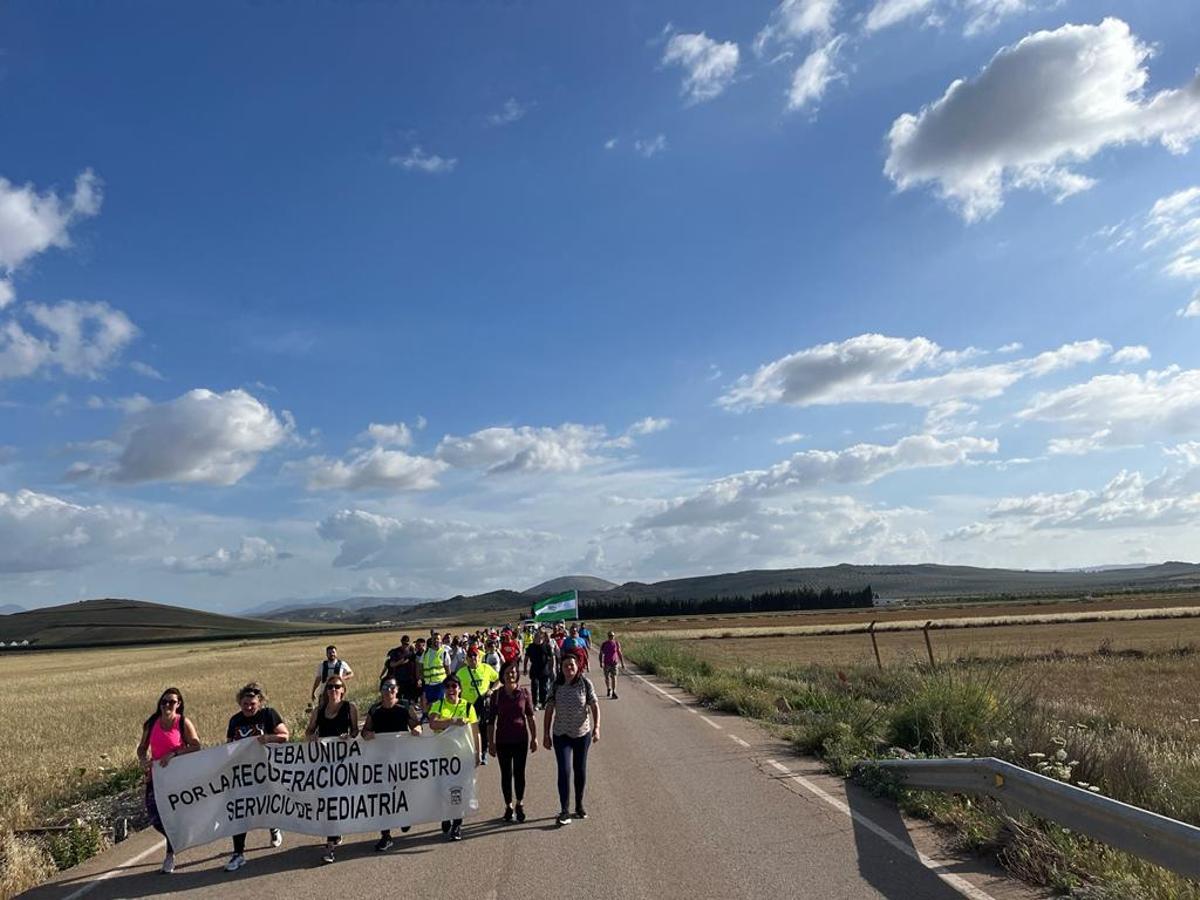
column 446, row 827
column 615, row 697
column 608, row 693
column 404, row 829
column 456, row 833
column 384, row 844
column 580, row 812
column 483, row 760
column 235, row 862
column 276, row 837
column 508, row 814
column 328, row 857
column 168, row 865
column 520, row 813
column 564, row 818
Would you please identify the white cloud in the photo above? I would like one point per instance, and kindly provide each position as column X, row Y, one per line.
column 709, row 66
column 394, row 435
column 886, row 13
column 648, row 425
column 734, row 496
column 252, row 553
column 987, row 14
column 146, row 370
column 417, row 160
column 794, row 20
column 794, row 438
column 504, row 449
column 200, row 437
column 373, row 469
column 1134, row 353
column 1054, row 99
column 431, row 551
column 1127, row 406
column 511, row 111
column 1192, row 310
column 7, row 294
column 813, row 76
column 77, row 338
column 875, row 368
column 611, row 143
column 649, row 147
column 1174, row 223
column 31, row 222
column 131, row 404
column 39, row 532
column 1097, row 440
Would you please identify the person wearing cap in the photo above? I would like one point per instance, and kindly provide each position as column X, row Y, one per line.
column 388, row 716
column 478, row 680
column 449, row 712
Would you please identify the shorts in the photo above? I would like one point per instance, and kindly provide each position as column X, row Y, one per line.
column 610, row 670
column 434, row 692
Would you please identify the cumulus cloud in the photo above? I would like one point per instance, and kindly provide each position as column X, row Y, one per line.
column 1192, row 310
column 1123, row 409
column 1135, row 353
column 794, row 20
column 76, row 338
column 427, row 549
column 648, row 425
column 1040, row 106
column 373, row 469
column 733, row 496
column 417, row 160
column 200, row 437
column 388, row 435
column 40, row 532
column 875, row 368
column 709, row 66
column 505, row 449
column 252, row 553
column 31, row 222
column 813, row 76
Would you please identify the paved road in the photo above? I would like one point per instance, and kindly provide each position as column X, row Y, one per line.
column 683, row 803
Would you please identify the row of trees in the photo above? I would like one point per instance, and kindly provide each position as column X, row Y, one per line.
column 771, row 601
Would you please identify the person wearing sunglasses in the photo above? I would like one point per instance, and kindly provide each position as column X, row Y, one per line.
column 165, row 735
column 388, row 716
column 254, row 719
column 335, row 716
column 452, row 711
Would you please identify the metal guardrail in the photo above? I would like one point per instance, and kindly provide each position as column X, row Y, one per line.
column 1158, row 839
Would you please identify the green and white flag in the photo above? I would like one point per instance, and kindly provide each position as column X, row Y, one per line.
column 557, row 608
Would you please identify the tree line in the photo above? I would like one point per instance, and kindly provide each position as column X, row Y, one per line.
column 771, row 601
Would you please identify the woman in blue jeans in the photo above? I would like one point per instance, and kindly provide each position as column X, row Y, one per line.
column 571, row 726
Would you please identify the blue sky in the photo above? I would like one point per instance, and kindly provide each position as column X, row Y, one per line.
column 418, row 299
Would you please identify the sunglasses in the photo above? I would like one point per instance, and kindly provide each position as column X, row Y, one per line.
column 166, row 702
column 388, row 687
column 335, row 687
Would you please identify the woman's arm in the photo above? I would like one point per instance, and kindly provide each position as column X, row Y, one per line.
column 191, row 739
column 595, row 711
column 143, row 748
column 367, row 730
column 353, row 720
column 547, row 721
column 310, row 730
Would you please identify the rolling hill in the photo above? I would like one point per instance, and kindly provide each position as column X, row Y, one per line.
column 569, row 583
column 107, row 622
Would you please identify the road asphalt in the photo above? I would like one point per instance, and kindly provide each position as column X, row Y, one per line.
column 683, row 803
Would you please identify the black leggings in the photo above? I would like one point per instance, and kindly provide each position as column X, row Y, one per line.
column 512, row 769
column 571, row 754
column 152, row 810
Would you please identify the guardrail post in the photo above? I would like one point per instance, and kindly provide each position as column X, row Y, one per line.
column 929, row 645
column 874, row 644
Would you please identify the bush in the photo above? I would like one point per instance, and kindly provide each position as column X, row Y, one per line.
column 79, row 842
column 948, row 714
column 23, row 864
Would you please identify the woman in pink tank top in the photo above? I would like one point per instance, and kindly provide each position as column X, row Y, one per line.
column 165, row 735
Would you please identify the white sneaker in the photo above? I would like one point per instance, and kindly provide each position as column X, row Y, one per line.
column 168, row 865
column 276, row 837
column 235, row 862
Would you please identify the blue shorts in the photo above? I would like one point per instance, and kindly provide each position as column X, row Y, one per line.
column 434, row 692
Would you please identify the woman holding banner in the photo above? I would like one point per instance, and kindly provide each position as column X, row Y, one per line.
column 452, row 710
column 165, row 735
column 387, row 716
column 512, row 736
column 254, row 719
column 335, row 716
column 571, row 726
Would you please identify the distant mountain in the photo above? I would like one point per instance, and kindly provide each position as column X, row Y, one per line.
column 277, row 609
column 493, row 606
column 113, row 621
column 9, row 608
column 569, row 583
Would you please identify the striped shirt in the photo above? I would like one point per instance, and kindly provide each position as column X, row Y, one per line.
column 571, row 714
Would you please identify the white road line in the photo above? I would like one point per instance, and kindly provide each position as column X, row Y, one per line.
column 737, row 740
column 960, row 884
column 715, row 725
column 104, row 876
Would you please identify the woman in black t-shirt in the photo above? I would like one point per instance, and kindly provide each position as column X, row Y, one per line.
column 254, row 720
column 335, row 716
column 389, row 715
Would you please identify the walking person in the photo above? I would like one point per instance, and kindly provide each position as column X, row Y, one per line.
column 452, row 711
column 335, row 716
column 539, row 666
column 388, row 716
column 254, row 719
column 435, row 669
column 165, row 735
column 512, row 736
column 329, row 667
column 478, row 680
column 610, row 656
column 571, row 726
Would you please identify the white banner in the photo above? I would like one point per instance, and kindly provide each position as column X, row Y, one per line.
column 328, row 787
